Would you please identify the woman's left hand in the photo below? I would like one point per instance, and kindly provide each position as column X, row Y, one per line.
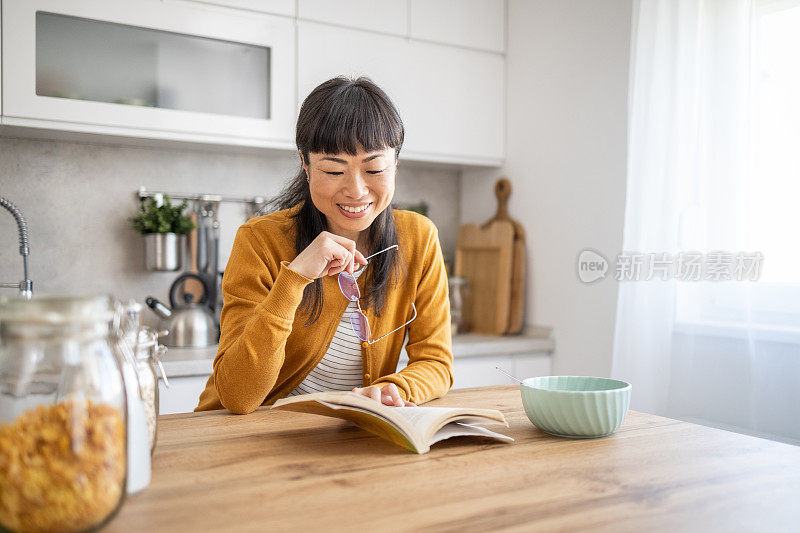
column 387, row 395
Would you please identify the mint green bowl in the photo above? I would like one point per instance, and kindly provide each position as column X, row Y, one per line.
column 576, row 406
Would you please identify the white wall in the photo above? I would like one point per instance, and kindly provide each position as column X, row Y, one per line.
column 566, row 124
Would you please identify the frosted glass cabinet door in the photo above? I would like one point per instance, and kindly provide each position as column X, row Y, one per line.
column 147, row 68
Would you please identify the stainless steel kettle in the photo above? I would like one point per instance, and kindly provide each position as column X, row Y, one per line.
column 190, row 324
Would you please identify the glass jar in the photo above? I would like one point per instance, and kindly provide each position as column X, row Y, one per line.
column 148, row 364
column 63, row 413
column 139, row 453
column 459, row 294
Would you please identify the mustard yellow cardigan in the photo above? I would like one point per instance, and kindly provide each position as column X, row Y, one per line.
column 266, row 349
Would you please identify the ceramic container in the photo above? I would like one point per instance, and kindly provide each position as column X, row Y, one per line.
column 576, row 406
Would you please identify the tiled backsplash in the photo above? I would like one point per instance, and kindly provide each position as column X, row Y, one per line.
column 77, row 197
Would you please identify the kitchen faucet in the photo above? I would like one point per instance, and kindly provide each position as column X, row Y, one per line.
column 26, row 285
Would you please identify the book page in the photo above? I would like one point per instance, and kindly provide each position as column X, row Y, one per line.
column 364, row 412
column 345, row 398
column 340, row 398
column 423, row 417
column 369, row 421
column 459, row 429
column 428, row 419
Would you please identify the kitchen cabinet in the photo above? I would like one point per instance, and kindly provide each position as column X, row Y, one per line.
column 476, row 24
column 273, row 7
column 188, row 370
column 476, row 356
column 451, row 99
column 234, row 72
column 182, row 395
column 482, row 371
column 382, row 16
column 146, row 68
column 471, row 23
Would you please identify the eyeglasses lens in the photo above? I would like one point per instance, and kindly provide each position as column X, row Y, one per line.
column 360, row 325
column 349, row 286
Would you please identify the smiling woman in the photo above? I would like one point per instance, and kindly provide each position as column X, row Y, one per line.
column 293, row 321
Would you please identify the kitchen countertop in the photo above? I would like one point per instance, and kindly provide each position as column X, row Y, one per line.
column 185, row 362
column 280, row 471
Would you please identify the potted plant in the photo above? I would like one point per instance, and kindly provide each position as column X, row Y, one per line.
column 164, row 228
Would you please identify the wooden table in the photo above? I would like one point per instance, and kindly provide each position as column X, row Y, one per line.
column 283, row 471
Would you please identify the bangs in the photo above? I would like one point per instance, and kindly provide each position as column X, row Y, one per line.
column 353, row 114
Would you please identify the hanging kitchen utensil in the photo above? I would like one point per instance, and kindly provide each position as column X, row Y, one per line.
column 209, row 266
column 255, row 207
column 193, row 286
column 202, row 241
column 502, row 190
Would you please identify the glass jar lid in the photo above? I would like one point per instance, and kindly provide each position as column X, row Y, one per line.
column 58, row 309
column 57, row 316
column 144, row 344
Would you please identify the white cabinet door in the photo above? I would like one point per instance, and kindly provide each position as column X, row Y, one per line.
column 451, row 99
column 144, row 68
column 530, row 366
column 480, row 371
column 181, row 396
column 472, row 23
column 382, row 16
column 274, row 7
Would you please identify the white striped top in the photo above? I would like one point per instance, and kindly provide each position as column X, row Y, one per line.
column 340, row 367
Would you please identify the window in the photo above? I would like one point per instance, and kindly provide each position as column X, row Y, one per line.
column 758, row 209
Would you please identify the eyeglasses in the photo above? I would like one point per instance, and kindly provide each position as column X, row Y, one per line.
column 358, row 320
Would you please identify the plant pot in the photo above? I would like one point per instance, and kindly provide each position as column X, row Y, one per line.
column 164, row 252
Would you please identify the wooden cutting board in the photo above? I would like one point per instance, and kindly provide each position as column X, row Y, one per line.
column 484, row 257
column 502, row 190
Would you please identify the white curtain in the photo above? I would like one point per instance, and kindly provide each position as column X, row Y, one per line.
column 714, row 174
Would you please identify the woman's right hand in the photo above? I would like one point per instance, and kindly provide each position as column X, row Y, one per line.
column 327, row 255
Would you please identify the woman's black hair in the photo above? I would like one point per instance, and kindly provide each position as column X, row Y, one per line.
column 343, row 115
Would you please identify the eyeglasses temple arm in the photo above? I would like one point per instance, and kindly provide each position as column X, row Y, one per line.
column 385, row 249
column 399, row 327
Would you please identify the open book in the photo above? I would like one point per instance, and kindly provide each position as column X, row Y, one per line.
column 415, row 428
